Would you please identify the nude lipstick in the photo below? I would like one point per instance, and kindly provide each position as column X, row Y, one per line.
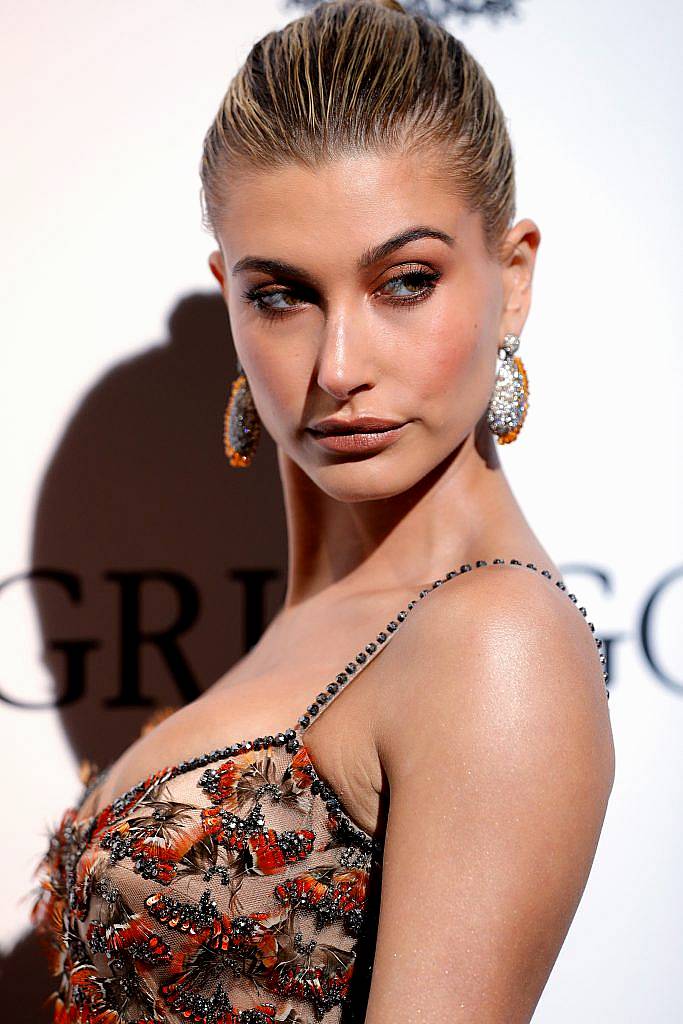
column 359, row 434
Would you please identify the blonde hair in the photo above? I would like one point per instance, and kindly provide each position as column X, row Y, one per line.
column 353, row 75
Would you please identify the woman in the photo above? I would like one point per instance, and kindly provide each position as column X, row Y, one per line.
column 358, row 180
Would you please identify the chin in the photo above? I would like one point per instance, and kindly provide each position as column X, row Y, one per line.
column 362, row 482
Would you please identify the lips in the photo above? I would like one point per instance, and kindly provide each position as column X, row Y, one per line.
column 357, row 425
column 359, row 437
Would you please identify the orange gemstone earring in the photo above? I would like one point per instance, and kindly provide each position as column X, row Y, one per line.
column 509, row 402
column 241, row 424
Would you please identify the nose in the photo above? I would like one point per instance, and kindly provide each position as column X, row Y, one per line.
column 344, row 358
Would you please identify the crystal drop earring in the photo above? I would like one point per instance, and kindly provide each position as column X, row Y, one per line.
column 509, row 401
column 241, row 424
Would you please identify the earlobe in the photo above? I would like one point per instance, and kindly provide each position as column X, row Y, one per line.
column 216, row 266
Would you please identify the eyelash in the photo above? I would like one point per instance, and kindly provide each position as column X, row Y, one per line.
column 255, row 295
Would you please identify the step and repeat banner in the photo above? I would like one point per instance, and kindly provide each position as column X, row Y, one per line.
column 137, row 566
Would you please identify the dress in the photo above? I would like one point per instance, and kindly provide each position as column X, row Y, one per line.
column 232, row 888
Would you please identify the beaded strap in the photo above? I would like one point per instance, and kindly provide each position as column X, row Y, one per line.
column 364, row 657
column 291, row 739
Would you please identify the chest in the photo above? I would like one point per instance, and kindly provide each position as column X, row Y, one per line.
column 236, row 884
column 256, row 699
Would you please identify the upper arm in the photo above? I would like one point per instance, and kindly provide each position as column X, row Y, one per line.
column 499, row 756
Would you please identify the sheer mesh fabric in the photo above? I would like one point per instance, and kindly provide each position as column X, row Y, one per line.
column 230, row 893
column 233, row 888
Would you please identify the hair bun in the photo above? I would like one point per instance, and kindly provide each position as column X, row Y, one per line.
column 392, row 5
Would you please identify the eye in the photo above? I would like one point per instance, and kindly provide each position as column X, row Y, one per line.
column 419, row 282
column 259, row 297
column 411, row 286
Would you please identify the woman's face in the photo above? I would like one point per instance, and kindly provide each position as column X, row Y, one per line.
column 363, row 288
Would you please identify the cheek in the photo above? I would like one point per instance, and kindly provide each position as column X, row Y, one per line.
column 453, row 361
column 279, row 381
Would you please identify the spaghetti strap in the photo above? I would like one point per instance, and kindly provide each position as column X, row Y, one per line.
column 259, row 835
column 374, row 648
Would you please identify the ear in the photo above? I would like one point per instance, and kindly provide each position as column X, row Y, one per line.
column 518, row 261
column 217, row 267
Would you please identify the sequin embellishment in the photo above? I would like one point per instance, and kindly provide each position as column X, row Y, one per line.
column 232, row 888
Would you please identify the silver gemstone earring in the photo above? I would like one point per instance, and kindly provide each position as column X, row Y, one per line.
column 241, row 423
column 509, row 402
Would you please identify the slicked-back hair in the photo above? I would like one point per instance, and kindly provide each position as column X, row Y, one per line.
column 354, row 76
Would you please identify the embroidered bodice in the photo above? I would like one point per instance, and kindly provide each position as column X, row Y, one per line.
column 232, row 888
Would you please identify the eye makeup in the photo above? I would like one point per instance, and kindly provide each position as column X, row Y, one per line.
column 418, row 277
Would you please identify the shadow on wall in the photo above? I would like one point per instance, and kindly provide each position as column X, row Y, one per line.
column 157, row 564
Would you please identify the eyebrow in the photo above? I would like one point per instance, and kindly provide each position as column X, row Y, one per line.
column 370, row 256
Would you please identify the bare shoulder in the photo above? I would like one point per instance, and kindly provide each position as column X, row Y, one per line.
column 501, row 645
column 498, row 751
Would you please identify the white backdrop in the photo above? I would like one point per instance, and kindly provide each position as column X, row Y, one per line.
column 104, row 107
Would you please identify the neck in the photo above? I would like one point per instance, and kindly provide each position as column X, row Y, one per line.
column 461, row 511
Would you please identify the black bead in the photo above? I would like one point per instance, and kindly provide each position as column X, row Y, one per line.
column 332, row 688
column 381, row 637
column 515, row 561
column 312, row 709
column 290, row 734
column 279, row 739
column 498, row 561
column 371, row 647
column 466, row 567
column 544, row 572
column 530, row 565
column 361, row 657
column 480, row 563
column 341, row 678
column 304, row 720
column 402, row 615
column 392, row 626
column 350, row 668
column 321, row 698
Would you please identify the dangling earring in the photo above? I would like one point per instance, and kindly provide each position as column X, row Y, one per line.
column 509, row 402
column 241, row 424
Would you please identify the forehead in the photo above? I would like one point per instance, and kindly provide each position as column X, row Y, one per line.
column 339, row 207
